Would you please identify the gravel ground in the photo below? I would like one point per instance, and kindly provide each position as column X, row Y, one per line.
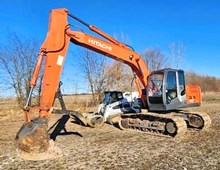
column 111, row 148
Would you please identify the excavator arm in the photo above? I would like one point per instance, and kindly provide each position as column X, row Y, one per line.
column 52, row 54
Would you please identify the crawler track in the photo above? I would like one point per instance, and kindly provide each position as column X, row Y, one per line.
column 172, row 124
column 197, row 120
column 156, row 124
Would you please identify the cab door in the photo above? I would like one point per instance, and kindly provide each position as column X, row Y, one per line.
column 175, row 96
column 171, row 86
column 155, row 91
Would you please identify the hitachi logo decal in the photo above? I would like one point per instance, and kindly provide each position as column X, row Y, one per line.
column 99, row 44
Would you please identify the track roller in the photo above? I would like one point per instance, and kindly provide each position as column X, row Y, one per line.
column 156, row 124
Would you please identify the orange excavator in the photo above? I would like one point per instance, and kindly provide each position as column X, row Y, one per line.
column 163, row 93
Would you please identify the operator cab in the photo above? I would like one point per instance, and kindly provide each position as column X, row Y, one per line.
column 114, row 103
column 166, row 90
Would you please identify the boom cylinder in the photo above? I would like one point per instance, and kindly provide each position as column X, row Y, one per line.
column 37, row 70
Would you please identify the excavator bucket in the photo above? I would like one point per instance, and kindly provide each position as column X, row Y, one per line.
column 33, row 142
column 90, row 119
column 94, row 120
column 33, row 136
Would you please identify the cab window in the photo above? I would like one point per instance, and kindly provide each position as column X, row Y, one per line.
column 171, row 86
column 181, row 82
column 171, row 80
column 155, row 83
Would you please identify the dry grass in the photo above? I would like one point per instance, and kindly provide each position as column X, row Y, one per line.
column 81, row 103
column 111, row 148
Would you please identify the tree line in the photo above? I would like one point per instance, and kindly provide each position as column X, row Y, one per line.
column 206, row 83
column 18, row 58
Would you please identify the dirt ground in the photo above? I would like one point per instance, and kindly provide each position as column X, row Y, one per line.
column 111, row 148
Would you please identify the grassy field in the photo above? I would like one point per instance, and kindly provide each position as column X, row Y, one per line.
column 111, row 148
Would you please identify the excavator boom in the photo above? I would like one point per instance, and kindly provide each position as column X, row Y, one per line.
column 55, row 47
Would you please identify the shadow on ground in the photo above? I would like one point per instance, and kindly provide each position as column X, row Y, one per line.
column 59, row 126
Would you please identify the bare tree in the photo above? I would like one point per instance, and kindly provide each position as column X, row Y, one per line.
column 103, row 74
column 113, row 75
column 17, row 59
column 176, row 53
column 93, row 66
column 155, row 59
column 118, row 76
column 122, row 37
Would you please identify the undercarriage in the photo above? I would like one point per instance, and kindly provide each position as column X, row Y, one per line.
column 173, row 124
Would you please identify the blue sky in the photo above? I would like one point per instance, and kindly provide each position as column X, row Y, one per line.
column 157, row 23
